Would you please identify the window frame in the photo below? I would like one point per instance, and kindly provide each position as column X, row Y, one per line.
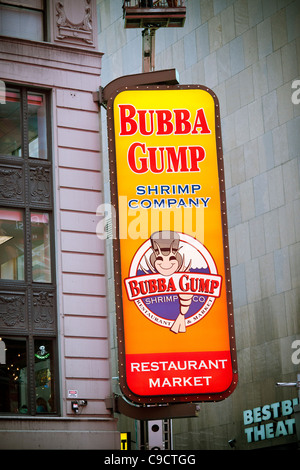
column 37, row 317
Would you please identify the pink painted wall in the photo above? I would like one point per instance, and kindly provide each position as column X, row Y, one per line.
column 81, row 253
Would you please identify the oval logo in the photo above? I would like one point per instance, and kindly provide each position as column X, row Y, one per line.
column 173, row 280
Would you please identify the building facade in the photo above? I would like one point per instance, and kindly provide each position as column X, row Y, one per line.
column 53, row 318
column 247, row 52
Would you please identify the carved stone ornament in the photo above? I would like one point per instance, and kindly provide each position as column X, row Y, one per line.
column 11, row 183
column 43, row 311
column 39, row 186
column 74, row 21
column 12, row 308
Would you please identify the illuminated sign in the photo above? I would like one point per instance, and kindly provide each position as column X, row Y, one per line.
column 42, row 354
column 173, row 288
column 279, row 414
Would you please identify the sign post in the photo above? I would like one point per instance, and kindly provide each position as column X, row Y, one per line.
column 174, row 308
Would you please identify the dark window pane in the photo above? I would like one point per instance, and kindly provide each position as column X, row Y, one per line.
column 44, row 376
column 10, row 122
column 41, row 261
column 11, row 244
column 37, row 131
column 13, row 377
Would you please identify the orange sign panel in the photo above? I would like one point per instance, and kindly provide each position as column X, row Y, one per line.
column 174, row 307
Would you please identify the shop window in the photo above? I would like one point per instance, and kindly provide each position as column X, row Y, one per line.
column 22, row 19
column 15, row 373
column 44, row 376
column 28, row 326
column 12, row 245
column 13, row 377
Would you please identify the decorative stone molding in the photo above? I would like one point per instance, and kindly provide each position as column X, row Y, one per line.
column 11, row 184
column 43, row 310
column 74, row 22
column 12, row 310
column 40, row 184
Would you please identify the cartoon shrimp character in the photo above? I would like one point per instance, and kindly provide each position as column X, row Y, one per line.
column 166, row 260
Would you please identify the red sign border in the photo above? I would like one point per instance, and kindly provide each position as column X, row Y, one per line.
column 188, row 398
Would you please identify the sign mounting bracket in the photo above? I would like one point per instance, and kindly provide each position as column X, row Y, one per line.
column 166, row 77
column 144, row 413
